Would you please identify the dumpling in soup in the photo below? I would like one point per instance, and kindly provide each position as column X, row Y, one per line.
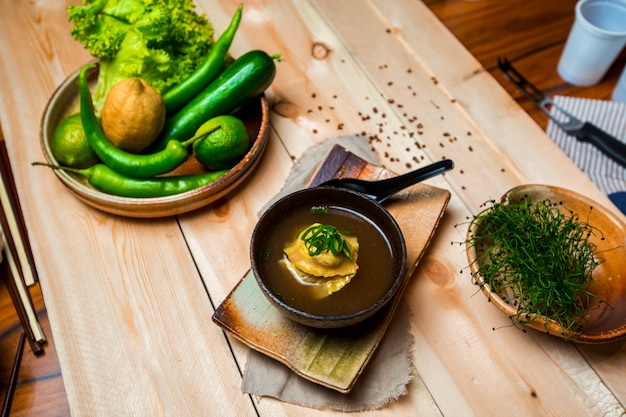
column 321, row 255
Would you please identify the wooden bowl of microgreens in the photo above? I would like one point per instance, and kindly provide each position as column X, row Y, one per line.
column 554, row 261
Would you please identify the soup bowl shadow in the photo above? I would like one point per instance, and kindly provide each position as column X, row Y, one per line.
column 353, row 202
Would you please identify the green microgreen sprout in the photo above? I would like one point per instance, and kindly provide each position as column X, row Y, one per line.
column 538, row 258
column 322, row 237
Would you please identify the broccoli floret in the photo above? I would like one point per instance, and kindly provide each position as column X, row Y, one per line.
column 160, row 41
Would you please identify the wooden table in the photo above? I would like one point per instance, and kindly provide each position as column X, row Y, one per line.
column 530, row 33
column 129, row 301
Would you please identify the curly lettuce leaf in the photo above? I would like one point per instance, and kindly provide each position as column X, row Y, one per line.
column 135, row 59
column 160, row 41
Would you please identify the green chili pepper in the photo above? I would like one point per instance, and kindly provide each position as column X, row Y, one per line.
column 176, row 97
column 105, row 179
column 127, row 163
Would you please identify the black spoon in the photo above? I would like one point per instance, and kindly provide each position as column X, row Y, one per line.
column 381, row 189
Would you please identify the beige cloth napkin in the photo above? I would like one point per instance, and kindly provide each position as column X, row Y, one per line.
column 389, row 371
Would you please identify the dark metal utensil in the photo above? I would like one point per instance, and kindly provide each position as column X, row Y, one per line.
column 381, row 189
column 583, row 131
column 8, row 398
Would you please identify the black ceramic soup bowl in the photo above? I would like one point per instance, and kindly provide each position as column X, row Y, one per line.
column 381, row 256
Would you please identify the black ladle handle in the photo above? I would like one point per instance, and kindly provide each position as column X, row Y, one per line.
column 379, row 190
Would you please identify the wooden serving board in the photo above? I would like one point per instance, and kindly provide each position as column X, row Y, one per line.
column 333, row 358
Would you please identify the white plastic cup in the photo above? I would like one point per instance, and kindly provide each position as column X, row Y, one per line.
column 619, row 93
column 597, row 37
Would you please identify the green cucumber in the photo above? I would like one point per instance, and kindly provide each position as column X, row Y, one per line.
column 247, row 77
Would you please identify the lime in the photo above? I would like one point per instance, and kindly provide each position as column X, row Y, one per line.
column 69, row 144
column 223, row 148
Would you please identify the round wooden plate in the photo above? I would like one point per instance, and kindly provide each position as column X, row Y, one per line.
column 64, row 101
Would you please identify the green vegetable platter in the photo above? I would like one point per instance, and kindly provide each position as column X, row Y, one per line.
column 147, row 197
column 169, row 120
column 552, row 260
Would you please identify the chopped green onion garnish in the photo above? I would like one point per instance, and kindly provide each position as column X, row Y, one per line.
column 322, row 237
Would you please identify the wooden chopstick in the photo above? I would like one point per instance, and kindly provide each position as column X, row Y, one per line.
column 15, row 220
column 23, row 304
column 18, row 265
column 8, row 398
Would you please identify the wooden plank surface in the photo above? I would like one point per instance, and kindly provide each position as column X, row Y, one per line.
column 129, row 301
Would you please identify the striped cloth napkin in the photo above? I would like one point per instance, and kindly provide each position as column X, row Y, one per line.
column 610, row 116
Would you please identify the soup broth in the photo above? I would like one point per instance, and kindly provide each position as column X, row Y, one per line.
column 372, row 279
